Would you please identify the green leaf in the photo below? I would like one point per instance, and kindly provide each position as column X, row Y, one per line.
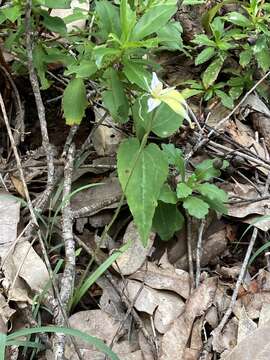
column 183, row 191
column 206, row 170
column 93, row 341
column 212, row 192
column 153, row 20
column 142, row 172
column 79, row 293
column 263, row 59
column 39, row 56
column 203, row 39
column 3, row 343
column 226, row 100
column 12, row 13
column 127, row 18
column 174, row 157
column 196, row 207
column 216, row 205
column 100, row 52
column 217, row 27
column 53, row 23
column 167, row 220
column 108, row 18
column 56, row 4
column 85, row 69
column 211, row 73
column 136, row 74
column 169, row 36
column 238, row 19
column 115, row 99
column 193, row 2
column 74, row 101
column 205, row 55
column 167, row 195
column 245, row 57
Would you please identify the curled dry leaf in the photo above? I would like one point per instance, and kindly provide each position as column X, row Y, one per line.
column 135, row 256
column 245, row 326
column 222, row 342
column 109, row 190
column 164, row 306
column 175, row 339
column 99, row 324
column 255, row 346
column 164, row 277
column 106, row 137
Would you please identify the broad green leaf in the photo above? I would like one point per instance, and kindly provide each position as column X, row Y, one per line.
column 215, row 205
column 79, row 293
column 217, row 27
column 211, row 73
column 56, row 4
column 153, row 20
column 91, row 340
column 203, row 39
column 141, row 174
column 85, row 69
column 167, row 195
column 238, row 19
column 205, row 55
column 245, row 57
column 74, row 101
column 235, row 92
column 164, row 121
column 196, row 207
column 169, row 36
column 108, row 18
column 167, row 220
column 263, row 59
column 39, row 56
column 206, row 170
column 174, row 157
column 100, row 52
column 212, row 192
column 53, row 23
column 226, row 100
column 127, row 18
column 136, row 74
column 12, row 13
column 183, row 190
column 115, row 99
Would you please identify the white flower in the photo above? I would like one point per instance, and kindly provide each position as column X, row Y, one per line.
column 169, row 96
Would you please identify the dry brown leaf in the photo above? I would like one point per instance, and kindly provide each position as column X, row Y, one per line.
column 17, row 183
column 110, row 189
column 164, row 306
column 226, row 340
column 132, row 259
column 175, row 339
column 253, row 304
column 245, row 326
column 106, row 137
column 255, row 346
column 164, row 276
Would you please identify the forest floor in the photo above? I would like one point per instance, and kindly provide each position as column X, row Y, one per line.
column 204, row 294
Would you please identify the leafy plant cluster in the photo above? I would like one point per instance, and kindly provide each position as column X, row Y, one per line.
column 115, row 57
column 241, row 36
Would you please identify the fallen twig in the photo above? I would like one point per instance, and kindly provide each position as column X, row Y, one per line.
column 227, row 314
column 199, row 253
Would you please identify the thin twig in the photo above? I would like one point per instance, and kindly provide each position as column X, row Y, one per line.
column 69, row 139
column 227, row 314
column 189, row 251
column 40, row 106
column 67, row 282
column 199, row 253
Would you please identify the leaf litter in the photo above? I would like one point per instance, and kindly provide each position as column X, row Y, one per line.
column 152, row 282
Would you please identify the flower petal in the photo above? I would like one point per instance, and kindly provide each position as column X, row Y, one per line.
column 156, row 84
column 152, row 103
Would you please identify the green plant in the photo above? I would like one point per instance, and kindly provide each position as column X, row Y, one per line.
column 15, row 339
column 115, row 58
column 193, row 192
